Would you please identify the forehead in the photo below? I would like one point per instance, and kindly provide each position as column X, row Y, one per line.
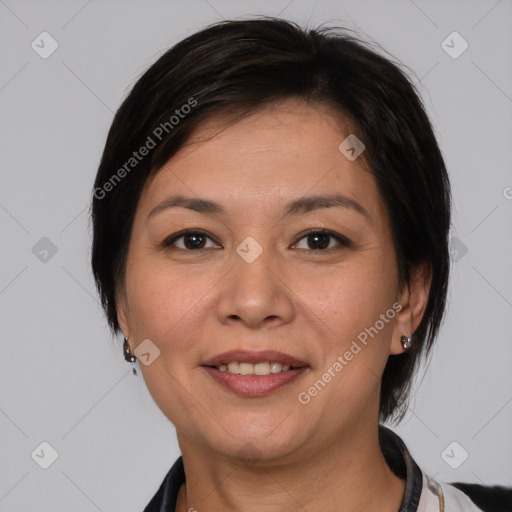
column 283, row 152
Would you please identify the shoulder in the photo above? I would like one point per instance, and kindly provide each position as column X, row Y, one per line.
column 444, row 497
column 165, row 498
column 489, row 498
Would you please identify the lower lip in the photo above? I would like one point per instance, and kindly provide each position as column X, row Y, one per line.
column 254, row 385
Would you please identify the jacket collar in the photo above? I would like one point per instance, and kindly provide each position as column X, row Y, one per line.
column 403, row 465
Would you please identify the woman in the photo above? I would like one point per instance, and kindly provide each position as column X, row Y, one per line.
column 271, row 219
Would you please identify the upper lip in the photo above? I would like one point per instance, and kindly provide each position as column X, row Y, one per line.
column 246, row 356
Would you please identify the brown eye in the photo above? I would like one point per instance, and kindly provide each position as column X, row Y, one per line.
column 188, row 240
column 319, row 241
column 194, row 241
column 323, row 241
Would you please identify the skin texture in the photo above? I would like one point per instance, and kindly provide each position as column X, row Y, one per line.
column 193, row 304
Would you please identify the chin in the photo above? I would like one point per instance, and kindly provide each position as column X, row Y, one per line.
column 266, row 439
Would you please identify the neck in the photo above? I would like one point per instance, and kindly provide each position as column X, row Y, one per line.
column 351, row 475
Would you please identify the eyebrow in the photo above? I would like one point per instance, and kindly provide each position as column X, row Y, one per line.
column 295, row 207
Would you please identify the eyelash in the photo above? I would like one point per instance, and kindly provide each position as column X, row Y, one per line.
column 343, row 241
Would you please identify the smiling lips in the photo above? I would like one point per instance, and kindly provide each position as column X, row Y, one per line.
column 254, row 373
column 263, row 368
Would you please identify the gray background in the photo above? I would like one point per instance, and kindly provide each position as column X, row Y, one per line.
column 63, row 380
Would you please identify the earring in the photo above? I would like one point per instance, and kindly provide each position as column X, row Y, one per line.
column 406, row 342
column 128, row 356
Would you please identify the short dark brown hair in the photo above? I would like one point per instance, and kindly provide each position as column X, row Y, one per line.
column 240, row 67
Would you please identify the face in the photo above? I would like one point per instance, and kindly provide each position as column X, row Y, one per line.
column 266, row 271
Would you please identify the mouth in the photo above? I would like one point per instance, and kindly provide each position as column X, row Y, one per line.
column 254, row 373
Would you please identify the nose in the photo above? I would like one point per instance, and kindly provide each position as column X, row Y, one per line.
column 255, row 294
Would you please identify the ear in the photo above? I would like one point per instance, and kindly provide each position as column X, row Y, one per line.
column 413, row 299
column 122, row 313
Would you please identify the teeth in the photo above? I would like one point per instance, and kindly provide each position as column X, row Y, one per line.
column 246, row 369
column 263, row 368
column 275, row 367
column 233, row 367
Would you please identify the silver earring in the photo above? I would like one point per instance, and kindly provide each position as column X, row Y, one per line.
column 128, row 356
column 406, row 342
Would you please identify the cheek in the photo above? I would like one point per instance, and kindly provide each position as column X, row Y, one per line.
column 168, row 309
column 167, row 305
column 350, row 302
column 355, row 352
column 353, row 296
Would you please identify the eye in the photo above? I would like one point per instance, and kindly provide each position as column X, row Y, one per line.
column 189, row 240
column 321, row 240
column 316, row 240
